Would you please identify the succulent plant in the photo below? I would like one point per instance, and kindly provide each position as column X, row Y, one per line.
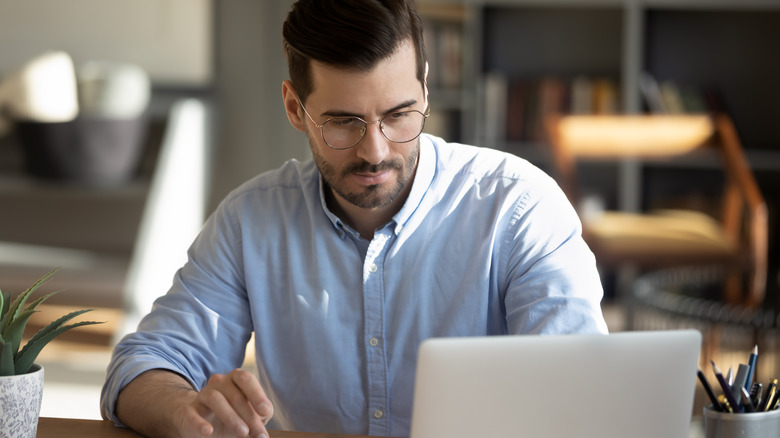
column 13, row 320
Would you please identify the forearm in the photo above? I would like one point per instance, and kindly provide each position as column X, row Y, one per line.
column 149, row 403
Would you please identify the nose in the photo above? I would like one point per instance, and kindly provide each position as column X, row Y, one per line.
column 373, row 148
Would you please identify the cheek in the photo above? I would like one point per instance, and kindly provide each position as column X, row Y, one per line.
column 325, row 158
column 411, row 159
column 406, row 152
column 318, row 148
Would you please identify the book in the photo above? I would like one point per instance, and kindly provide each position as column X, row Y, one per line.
column 605, row 96
column 495, row 91
column 516, row 110
column 671, row 97
column 581, row 95
column 652, row 94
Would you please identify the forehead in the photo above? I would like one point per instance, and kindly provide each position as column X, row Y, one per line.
column 392, row 80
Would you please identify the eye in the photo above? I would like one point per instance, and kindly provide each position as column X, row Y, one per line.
column 345, row 122
column 397, row 116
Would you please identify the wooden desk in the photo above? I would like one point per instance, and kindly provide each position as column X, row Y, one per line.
column 72, row 428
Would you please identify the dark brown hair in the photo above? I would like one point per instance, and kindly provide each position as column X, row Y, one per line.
column 348, row 34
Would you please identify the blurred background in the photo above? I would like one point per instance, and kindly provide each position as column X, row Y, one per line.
column 124, row 123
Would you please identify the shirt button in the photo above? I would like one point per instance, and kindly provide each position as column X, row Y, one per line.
column 378, row 413
column 374, row 342
column 373, row 267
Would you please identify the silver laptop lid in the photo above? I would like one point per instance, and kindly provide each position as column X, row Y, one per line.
column 627, row 384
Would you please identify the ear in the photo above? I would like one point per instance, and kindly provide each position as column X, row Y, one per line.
column 425, row 82
column 292, row 106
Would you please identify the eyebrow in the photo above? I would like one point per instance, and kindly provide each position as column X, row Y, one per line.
column 337, row 113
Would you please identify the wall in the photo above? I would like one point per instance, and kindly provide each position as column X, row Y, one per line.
column 170, row 39
column 253, row 133
column 227, row 50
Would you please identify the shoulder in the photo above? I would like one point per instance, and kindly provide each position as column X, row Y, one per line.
column 291, row 180
column 478, row 165
column 500, row 182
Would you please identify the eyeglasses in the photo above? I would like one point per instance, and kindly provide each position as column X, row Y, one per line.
column 345, row 132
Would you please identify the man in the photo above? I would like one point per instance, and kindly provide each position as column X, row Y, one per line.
column 343, row 264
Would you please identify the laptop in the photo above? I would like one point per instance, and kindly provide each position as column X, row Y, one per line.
column 637, row 384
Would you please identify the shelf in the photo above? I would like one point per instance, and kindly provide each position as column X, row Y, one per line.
column 725, row 45
column 540, row 40
column 109, row 239
column 23, row 185
column 762, row 5
column 730, row 54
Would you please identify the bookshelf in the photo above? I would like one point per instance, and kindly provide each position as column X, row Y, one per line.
column 449, row 37
column 725, row 48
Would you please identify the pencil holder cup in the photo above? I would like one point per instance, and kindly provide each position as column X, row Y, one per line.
column 745, row 425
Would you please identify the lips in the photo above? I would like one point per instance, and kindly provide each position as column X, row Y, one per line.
column 371, row 175
column 372, row 178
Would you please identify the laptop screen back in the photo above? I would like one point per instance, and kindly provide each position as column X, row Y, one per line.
column 627, row 384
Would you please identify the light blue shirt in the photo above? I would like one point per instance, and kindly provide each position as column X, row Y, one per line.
column 486, row 244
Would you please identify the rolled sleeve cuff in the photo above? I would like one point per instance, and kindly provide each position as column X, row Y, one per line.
column 120, row 375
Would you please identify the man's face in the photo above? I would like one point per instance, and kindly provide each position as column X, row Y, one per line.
column 375, row 172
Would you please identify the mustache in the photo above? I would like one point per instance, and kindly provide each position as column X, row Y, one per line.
column 365, row 167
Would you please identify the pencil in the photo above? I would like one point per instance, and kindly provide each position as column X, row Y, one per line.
column 751, row 367
column 708, row 389
column 725, row 387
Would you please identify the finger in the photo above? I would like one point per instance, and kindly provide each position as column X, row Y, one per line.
column 225, row 411
column 192, row 423
column 253, row 392
column 241, row 405
column 257, row 409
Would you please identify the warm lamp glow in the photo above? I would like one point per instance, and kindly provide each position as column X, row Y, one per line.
column 634, row 136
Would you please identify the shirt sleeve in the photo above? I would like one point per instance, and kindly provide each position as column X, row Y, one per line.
column 199, row 328
column 553, row 285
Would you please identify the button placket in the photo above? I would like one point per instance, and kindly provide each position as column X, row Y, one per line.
column 374, row 314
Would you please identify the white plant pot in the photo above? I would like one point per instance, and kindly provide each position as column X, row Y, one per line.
column 20, row 403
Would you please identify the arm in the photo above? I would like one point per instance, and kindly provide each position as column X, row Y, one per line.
column 197, row 332
column 160, row 403
column 553, row 282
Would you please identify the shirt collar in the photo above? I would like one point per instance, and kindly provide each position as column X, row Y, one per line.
column 341, row 228
column 426, row 166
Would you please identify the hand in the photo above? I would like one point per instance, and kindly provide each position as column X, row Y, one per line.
column 230, row 405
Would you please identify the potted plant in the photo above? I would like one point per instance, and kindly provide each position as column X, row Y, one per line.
column 21, row 379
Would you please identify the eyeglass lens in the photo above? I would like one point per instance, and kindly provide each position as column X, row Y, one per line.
column 399, row 127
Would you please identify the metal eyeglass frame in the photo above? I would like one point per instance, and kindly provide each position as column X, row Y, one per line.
column 365, row 127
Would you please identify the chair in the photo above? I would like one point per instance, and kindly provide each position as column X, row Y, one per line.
column 736, row 239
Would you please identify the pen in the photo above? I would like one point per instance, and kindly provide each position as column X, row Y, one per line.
column 755, row 393
column 751, row 367
column 725, row 387
column 773, row 405
column 769, row 394
column 725, row 403
column 774, row 397
column 746, row 400
column 708, row 389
